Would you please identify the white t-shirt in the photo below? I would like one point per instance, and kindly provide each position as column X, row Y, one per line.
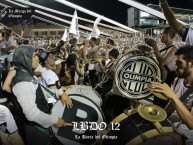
column 7, row 122
column 170, row 65
column 179, row 89
column 189, row 37
column 48, row 77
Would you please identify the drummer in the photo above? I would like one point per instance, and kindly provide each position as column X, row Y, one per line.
column 108, row 72
column 34, row 111
column 50, row 79
column 165, row 56
column 184, row 69
column 114, row 103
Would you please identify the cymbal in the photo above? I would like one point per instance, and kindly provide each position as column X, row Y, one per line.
column 152, row 112
column 144, row 48
column 156, row 94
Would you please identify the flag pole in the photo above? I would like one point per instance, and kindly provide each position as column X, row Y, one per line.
column 68, row 22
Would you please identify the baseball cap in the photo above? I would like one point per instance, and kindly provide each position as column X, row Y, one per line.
column 43, row 56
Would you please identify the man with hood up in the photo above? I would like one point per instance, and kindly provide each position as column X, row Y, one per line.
column 31, row 99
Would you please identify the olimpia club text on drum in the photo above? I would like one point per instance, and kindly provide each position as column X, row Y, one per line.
column 136, row 77
column 82, row 126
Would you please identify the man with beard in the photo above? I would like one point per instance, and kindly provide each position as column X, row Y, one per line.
column 184, row 69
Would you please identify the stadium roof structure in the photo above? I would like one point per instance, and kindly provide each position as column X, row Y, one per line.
column 185, row 15
column 174, row 9
column 117, row 26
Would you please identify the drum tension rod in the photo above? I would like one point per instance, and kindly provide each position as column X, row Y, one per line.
column 143, row 137
column 158, row 127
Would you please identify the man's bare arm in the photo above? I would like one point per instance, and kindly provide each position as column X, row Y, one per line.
column 5, row 50
column 169, row 15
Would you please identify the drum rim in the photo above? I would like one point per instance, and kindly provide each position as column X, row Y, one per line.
column 156, row 63
column 100, row 110
column 92, row 102
column 89, row 88
column 129, row 56
column 102, row 114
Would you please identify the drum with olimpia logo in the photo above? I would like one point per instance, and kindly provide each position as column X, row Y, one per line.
column 133, row 72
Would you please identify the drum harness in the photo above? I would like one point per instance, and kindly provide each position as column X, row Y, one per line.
column 170, row 109
column 105, row 77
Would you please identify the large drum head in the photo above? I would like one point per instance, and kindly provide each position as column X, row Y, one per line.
column 85, row 91
column 133, row 73
column 83, row 110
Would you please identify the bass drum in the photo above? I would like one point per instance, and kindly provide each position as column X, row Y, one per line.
column 85, row 91
column 132, row 129
column 126, row 56
column 83, row 111
column 133, row 71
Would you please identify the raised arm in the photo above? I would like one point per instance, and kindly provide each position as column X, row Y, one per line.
column 8, row 80
column 183, row 112
column 6, row 50
column 169, row 15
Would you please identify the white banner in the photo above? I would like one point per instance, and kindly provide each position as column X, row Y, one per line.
column 65, row 35
column 74, row 26
column 96, row 32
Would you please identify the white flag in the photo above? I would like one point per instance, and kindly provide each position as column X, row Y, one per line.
column 65, row 35
column 96, row 32
column 74, row 26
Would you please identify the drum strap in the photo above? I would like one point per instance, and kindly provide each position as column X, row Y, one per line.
column 170, row 108
column 166, row 48
column 105, row 77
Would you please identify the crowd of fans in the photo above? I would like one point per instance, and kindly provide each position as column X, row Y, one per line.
column 26, row 67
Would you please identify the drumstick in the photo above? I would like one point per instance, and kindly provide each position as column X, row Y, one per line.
column 68, row 124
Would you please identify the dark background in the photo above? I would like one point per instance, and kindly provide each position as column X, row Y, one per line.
column 112, row 9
